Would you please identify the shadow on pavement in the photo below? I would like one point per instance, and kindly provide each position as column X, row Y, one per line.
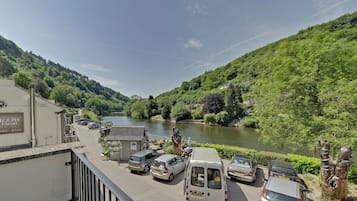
column 235, row 192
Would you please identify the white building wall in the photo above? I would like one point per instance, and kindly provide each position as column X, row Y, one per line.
column 40, row 179
column 17, row 100
column 49, row 125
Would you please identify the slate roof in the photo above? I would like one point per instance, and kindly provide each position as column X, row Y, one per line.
column 126, row 133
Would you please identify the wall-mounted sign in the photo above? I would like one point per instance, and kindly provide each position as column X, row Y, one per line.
column 11, row 123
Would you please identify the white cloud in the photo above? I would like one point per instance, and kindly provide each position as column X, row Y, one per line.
column 196, row 8
column 113, row 84
column 239, row 43
column 94, row 67
column 210, row 61
column 193, row 43
column 328, row 9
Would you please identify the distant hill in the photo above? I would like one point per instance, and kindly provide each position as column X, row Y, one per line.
column 52, row 80
column 303, row 87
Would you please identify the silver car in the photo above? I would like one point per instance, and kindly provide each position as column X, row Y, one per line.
column 242, row 168
column 278, row 189
column 167, row 166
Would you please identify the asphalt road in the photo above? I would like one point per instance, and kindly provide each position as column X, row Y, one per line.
column 142, row 187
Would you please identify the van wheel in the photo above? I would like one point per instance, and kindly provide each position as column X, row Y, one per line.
column 171, row 177
column 146, row 168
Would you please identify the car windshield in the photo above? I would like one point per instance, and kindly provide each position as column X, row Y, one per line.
column 274, row 196
column 242, row 162
column 285, row 171
column 135, row 158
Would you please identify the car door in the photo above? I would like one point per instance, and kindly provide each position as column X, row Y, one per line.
column 197, row 183
column 214, row 190
column 180, row 165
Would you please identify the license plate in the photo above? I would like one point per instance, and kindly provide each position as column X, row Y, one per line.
column 239, row 173
column 283, row 177
column 155, row 171
column 197, row 194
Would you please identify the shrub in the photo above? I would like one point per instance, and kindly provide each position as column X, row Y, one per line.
column 352, row 173
column 227, row 152
column 249, row 122
column 222, row 118
column 169, row 150
column 210, row 119
column 304, row 164
column 180, row 111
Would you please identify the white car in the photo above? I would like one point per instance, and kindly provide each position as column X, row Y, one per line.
column 167, row 166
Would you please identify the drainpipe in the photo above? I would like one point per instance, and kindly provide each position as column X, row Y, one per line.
column 32, row 116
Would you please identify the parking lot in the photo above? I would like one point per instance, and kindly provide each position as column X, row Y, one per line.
column 143, row 187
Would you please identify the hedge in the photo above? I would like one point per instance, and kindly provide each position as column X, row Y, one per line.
column 302, row 164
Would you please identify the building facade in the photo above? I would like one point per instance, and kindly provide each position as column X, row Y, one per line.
column 27, row 120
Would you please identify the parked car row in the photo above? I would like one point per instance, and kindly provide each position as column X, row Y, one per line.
column 204, row 174
column 164, row 167
column 88, row 123
column 283, row 183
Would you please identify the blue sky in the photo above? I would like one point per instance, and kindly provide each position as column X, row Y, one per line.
column 148, row 47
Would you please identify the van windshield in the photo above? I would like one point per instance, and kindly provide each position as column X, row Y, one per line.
column 214, row 178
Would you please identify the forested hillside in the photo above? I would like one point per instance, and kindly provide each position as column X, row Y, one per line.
column 303, row 88
column 54, row 81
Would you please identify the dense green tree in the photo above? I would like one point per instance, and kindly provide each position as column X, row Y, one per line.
column 209, row 119
column 6, row 68
column 138, row 109
column 166, row 111
column 222, row 118
column 233, row 101
column 152, row 108
column 180, row 112
column 42, row 88
column 213, row 103
column 197, row 113
column 22, row 79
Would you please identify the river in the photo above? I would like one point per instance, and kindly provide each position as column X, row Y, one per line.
column 242, row 137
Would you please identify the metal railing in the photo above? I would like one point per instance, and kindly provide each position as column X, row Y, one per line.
column 90, row 184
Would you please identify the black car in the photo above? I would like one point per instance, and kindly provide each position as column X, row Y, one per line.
column 284, row 170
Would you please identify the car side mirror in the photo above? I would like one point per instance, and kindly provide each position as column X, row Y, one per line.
column 306, row 190
column 265, row 179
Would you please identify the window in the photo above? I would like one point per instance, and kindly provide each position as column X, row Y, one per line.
column 198, row 176
column 214, row 178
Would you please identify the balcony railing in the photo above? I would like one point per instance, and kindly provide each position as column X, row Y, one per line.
column 90, row 184
column 56, row 172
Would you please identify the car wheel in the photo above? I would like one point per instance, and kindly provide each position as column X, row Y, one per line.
column 146, row 169
column 171, row 177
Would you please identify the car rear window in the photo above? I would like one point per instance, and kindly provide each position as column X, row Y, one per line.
column 160, row 164
column 285, row 171
column 135, row 158
column 274, row 196
column 243, row 162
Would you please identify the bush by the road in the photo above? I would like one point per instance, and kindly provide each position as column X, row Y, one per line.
column 262, row 157
column 303, row 164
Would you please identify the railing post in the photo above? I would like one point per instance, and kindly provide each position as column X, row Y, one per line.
column 73, row 179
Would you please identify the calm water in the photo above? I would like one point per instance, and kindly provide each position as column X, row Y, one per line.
column 242, row 137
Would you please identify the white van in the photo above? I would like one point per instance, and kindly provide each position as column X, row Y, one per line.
column 204, row 176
